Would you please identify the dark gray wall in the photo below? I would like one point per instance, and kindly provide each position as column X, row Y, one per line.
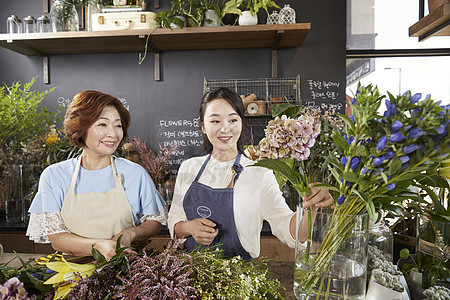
column 177, row 96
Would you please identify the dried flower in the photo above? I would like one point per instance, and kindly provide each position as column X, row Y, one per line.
column 153, row 163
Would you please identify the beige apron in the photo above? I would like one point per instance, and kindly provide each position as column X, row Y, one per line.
column 97, row 215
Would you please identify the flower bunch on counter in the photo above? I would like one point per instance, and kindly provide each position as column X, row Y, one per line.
column 169, row 273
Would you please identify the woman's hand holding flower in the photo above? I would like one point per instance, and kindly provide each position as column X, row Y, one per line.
column 319, row 197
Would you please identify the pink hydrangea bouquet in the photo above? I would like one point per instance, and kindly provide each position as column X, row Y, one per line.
column 286, row 146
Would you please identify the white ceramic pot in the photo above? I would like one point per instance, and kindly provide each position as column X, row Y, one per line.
column 376, row 291
column 247, row 18
column 416, row 276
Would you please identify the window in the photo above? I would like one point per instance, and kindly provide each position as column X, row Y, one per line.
column 380, row 51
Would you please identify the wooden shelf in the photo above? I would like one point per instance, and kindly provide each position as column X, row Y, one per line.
column 162, row 39
column 436, row 23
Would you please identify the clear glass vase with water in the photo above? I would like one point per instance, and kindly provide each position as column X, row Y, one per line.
column 330, row 255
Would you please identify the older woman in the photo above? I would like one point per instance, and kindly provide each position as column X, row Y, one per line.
column 96, row 197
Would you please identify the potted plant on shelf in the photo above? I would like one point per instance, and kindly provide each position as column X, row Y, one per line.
column 247, row 9
column 182, row 14
column 212, row 12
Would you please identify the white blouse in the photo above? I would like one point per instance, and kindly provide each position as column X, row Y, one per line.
column 257, row 197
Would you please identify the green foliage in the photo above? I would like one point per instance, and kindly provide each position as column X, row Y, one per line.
column 216, row 277
column 236, row 6
column 61, row 150
column 192, row 10
column 22, row 118
column 32, row 274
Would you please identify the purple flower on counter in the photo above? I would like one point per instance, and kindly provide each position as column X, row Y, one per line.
column 352, row 117
column 353, row 100
column 354, row 163
column 344, row 160
column 415, row 98
column 415, row 133
column 396, row 137
column 378, row 160
column 406, row 94
column 390, row 186
column 410, row 148
column 396, row 125
column 381, row 143
column 340, row 200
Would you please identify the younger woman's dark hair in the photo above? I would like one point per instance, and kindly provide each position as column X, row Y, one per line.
column 233, row 99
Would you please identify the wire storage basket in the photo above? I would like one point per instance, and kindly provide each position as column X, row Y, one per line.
column 259, row 93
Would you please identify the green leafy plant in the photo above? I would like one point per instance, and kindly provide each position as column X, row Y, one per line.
column 192, row 10
column 22, row 118
column 236, row 6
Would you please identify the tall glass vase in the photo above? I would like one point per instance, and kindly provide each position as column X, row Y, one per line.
column 330, row 255
column 64, row 16
column 14, row 204
column 91, row 8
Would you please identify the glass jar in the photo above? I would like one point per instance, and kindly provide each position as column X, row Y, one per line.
column 287, row 15
column 13, row 24
column 29, row 24
column 63, row 16
column 43, row 24
column 381, row 242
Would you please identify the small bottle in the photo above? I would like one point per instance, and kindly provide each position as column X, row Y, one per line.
column 29, row 24
column 43, row 24
column 13, row 24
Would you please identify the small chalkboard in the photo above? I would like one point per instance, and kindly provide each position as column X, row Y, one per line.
column 324, row 94
column 185, row 134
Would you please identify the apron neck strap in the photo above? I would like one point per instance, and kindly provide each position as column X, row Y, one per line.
column 77, row 170
column 236, row 166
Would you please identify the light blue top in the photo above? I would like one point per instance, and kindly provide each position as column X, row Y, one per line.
column 139, row 188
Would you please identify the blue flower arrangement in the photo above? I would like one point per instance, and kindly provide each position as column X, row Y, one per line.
column 382, row 156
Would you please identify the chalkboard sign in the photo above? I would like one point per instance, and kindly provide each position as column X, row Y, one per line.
column 323, row 94
column 183, row 133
